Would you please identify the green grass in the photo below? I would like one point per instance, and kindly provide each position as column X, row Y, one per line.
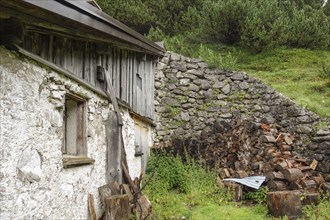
column 297, row 73
column 300, row 74
column 188, row 190
column 180, row 190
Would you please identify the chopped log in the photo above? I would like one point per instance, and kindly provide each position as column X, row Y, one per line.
column 318, row 179
column 270, row 150
column 91, row 207
column 326, row 186
column 224, row 173
column 117, row 207
column 267, row 139
column 275, row 185
column 274, row 176
column 286, row 147
column 310, row 199
column 288, row 140
column 308, row 184
column 292, row 174
column 144, row 207
column 295, row 185
column 301, row 160
column 304, row 168
column 314, row 164
column 280, row 166
column 286, row 153
column 240, row 174
column 284, row 203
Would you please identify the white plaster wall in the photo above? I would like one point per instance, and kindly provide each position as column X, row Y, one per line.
column 31, row 119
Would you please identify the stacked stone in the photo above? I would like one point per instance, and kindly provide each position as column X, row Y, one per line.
column 190, row 97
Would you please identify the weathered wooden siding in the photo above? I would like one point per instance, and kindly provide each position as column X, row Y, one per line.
column 131, row 73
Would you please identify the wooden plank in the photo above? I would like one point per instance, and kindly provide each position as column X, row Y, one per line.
column 118, row 74
column 93, row 64
column 72, row 161
column 123, row 79
column 153, row 91
column 86, row 62
column 134, row 85
column 130, row 79
column 79, row 59
column 117, row 207
column 91, row 207
column 51, row 47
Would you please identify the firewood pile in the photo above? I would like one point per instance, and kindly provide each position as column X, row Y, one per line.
column 244, row 148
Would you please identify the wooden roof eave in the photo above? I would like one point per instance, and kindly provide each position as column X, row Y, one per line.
column 84, row 19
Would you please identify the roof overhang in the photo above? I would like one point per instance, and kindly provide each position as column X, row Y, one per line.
column 81, row 18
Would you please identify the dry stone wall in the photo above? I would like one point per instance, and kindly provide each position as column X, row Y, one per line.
column 192, row 99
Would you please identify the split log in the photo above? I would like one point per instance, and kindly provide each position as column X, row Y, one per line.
column 292, row 174
column 117, row 207
column 302, row 161
column 280, row 166
column 318, row 179
column 314, row 164
column 240, row 174
column 275, row 185
column 286, row 147
column 295, row 185
column 274, row 176
column 304, row 168
column 224, row 173
column 288, row 139
column 284, row 203
column 308, row 184
column 310, row 198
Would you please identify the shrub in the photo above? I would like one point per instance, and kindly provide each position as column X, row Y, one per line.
column 222, row 21
column 309, row 28
column 265, row 27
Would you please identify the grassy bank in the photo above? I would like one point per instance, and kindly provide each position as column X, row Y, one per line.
column 303, row 75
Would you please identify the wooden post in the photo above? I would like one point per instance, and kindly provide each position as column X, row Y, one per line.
column 117, row 207
column 114, row 148
column 284, row 203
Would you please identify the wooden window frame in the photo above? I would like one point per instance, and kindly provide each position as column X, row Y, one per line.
column 75, row 133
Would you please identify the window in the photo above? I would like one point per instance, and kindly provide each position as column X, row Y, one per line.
column 75, row 126
column 75, row 146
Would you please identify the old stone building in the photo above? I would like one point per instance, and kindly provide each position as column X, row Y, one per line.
column 65, row 67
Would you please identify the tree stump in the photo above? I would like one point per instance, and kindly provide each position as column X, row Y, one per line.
column 117, row 207
column 284, row 203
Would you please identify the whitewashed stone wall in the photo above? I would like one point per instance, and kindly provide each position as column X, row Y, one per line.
column 34, row 184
